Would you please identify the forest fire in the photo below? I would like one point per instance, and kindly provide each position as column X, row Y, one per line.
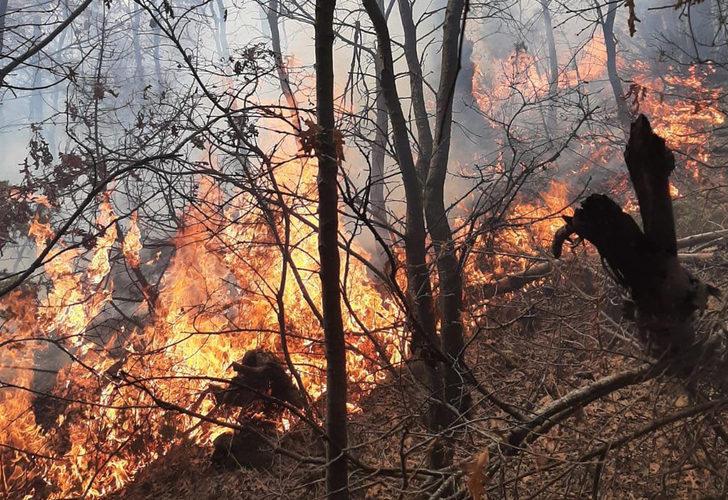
column 523, row 239
column 322, row 259
column 213, row 306
column 216, row 301
column 520, row 77
column 686, row 109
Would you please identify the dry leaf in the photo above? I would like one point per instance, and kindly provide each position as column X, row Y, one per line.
column 681, row 401
column 476, row 474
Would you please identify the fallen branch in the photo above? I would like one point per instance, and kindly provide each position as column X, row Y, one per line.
column 512, row 283
column 653, row 426
column 614, row 444
column 558, row 410
column 699, row 239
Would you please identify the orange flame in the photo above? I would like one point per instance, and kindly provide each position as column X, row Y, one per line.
column 133, row 242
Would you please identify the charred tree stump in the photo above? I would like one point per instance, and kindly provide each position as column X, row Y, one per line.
column 260, row 386
column 260, row 376
column 665, row 296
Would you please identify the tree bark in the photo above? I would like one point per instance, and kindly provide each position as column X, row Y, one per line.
column 381, row 122
column 448, row 267
column 337, row 481
column 272, row 15
column 220, row 20
column 702, row 32
column 610, row 45
column 419, row 287
column 138, row 57
column 422, row 121
column 3, row 13
column 157, row 51
column 36, row 99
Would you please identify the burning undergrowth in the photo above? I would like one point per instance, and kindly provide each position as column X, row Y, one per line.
column 221, row 294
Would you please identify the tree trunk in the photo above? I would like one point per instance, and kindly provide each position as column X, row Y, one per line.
column 424, row 133
column 553, row 67
column 424, row 337
column 419, row 287
column 222, row 30
column 138, row 57
column 702, row 30
column 381, row 122
column 157, row 51
column 272, row 15
column 60, row 59
column 623, row 112
column 337, row 481
column 36, row 97
column 3, row 13
column 448, row 267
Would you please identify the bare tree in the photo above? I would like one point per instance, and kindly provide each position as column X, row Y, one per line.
column 610, row 44
column 328, row 164
column 448, row 267
column 553, row 64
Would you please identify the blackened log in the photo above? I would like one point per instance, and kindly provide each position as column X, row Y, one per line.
column 616, row 235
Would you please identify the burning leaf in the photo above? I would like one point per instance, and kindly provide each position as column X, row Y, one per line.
column 132, row 242
column 100, row 266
